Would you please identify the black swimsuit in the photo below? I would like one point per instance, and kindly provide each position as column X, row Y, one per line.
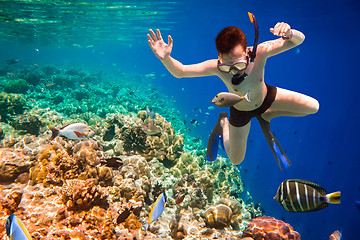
column 241, row 118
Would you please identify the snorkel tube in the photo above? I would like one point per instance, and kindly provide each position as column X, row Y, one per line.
column 238, row 78
column 252, row 54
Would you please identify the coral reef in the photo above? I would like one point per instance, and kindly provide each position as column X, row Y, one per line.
column 134, row 140
column 167, row 147
column 2, row 133
column 12, row 164
column 71, row 189
column 79, row 195
column 133, row 180
column 29, row 123
column 16, row 86
column 54, row 164
column 11, row 104
column 265, row 227
column 10, row 200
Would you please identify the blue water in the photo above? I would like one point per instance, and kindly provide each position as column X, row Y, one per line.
column 323, row 148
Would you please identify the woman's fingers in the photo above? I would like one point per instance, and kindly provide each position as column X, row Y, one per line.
column 149, row 37
column 170, row 41
column 154, row 38
column 158, row 34
column 280, row 29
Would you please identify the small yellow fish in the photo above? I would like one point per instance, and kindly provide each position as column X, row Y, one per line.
column 226, row 99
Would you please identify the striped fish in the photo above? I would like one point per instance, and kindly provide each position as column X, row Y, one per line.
column 296, row 195
column 335, row 235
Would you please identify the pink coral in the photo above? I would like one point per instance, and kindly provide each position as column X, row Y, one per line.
column 269, row 228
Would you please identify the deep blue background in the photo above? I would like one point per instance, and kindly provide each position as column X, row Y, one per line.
column 323, row 148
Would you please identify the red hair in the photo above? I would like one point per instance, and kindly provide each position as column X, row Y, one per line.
column 228, row 38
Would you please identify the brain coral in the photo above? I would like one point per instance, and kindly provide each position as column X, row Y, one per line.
column 269, row 228
column 218, row 216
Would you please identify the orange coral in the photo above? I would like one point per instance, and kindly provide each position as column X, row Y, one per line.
column 54, row 164
column 11, row 201
column 132, row 223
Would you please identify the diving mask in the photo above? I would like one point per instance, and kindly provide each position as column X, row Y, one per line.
column 238, row 65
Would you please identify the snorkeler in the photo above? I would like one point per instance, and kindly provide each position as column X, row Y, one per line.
column 242, row 68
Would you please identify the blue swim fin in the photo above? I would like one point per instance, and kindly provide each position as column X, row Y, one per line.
column 281, row 155
column 214, row 138
column 213, row 147
column 275, row 146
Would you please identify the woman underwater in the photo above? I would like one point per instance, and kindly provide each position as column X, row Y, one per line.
column 241, row 68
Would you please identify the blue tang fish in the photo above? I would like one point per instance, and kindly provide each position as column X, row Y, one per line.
column 156, row 210
column 15, row 229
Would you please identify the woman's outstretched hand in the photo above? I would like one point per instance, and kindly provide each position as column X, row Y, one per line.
column 158, row 46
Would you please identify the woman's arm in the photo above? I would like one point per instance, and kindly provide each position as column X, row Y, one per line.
column 176, row 68
column 290, row 38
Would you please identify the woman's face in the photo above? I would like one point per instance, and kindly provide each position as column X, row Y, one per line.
column 231, row 57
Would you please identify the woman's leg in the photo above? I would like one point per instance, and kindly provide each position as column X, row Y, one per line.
column 235, row 140
column 292, row 104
